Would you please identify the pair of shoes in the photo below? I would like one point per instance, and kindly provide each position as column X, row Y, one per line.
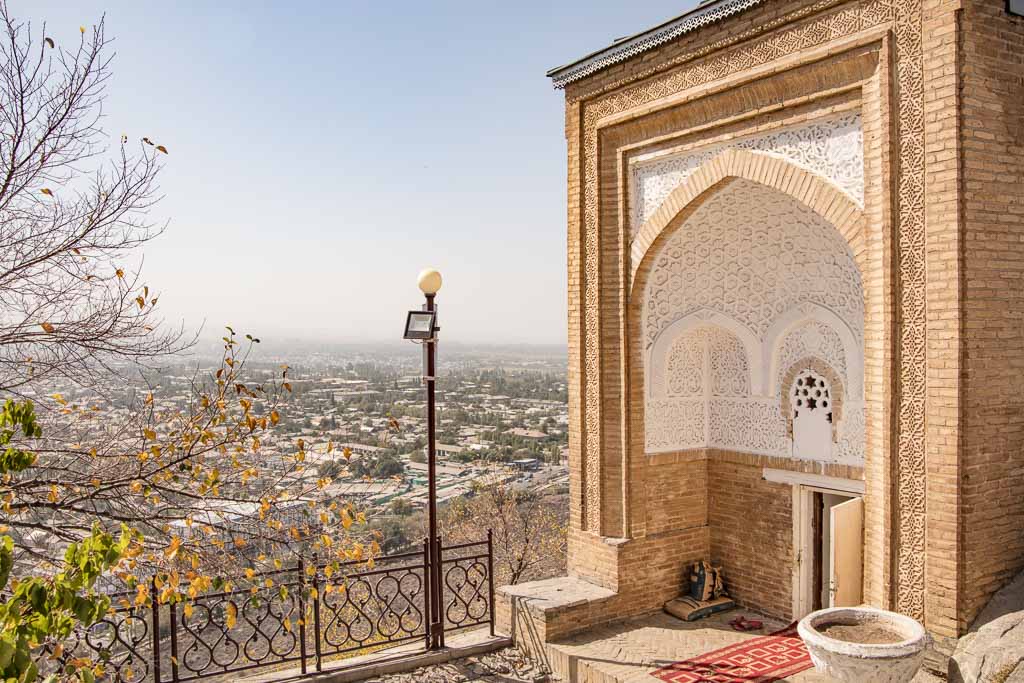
column 741, row 623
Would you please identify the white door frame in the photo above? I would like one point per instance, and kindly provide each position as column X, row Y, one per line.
column 804, row 486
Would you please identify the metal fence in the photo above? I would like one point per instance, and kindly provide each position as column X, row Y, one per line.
column 303, row 616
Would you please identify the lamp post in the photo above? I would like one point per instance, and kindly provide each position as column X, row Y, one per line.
column 422, row 326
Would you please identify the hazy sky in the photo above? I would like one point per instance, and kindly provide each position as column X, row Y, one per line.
column 321, row 154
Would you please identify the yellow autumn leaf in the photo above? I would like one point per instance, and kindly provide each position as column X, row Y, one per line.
column 52, row 497
column 231, row 615
column 119, row 273
column 162, row 148
column 140, row 301
column 81, row 29
column 172, row 550
column 274, row 417
column 48, row 328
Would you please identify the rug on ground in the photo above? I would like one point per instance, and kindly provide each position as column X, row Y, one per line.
column 757, row 660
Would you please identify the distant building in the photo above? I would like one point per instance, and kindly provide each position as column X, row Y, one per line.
column 360, row 449
column 525, row 464
column 528, row 433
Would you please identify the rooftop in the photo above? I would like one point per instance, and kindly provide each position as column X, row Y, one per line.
column 623, row 48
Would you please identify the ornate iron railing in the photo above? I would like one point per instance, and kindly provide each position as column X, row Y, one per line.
column 292, row 616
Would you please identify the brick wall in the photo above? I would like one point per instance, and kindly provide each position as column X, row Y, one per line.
column 677, row 496
column 972, row 53
column 992, row 464
column 752, row 535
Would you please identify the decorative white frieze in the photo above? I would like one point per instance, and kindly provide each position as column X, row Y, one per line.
column 832, row 148
column 676, row 424
column 811, row 339
column 752, row 253
column 751, row 284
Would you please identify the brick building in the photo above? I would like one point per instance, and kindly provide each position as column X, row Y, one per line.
column 796, row 310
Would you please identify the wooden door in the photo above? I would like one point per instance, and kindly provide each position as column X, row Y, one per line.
column 846, row 551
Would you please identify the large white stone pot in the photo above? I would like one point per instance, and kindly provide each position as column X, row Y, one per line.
column 862, row 662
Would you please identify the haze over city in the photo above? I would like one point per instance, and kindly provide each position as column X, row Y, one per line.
column 316, row 151
column 528, row 342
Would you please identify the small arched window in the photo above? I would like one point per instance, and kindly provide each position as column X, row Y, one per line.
column 811, row 402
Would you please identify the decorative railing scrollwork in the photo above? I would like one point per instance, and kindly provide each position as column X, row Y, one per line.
column 287, row 616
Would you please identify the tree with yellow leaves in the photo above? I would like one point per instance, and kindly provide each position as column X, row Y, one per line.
column 193, row 477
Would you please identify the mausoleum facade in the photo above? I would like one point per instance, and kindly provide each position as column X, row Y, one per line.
column 796, row 244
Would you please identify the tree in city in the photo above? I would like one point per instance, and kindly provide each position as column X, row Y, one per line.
column 40, row 612
column 187, row 473
column 529, row 530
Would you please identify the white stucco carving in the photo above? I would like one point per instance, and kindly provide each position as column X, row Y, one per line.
column 750, row 284
column 811, row 403
column 753, row 425
column 676, row 424
column 832, row 148
column 811, row 339
column 752, row 253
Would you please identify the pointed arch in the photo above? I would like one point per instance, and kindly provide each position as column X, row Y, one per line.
column 817, row 193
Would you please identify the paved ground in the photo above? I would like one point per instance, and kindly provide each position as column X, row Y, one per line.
column 628, row 652
column 622, row 653
column 503, row 666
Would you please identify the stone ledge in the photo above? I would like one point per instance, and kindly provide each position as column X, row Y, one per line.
column 389, row 661
column 557, row 594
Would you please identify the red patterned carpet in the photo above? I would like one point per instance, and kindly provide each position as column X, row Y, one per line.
column 757, row 660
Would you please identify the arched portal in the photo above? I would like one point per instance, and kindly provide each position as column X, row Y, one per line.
column 755, row 256
column 773, row 258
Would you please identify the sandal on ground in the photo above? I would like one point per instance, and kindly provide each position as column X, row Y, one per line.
column 743, row 624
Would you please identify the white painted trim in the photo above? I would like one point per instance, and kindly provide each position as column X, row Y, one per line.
column 803, row 562
column 804, row 485
column 814, row 480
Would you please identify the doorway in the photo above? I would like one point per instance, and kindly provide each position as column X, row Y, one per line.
column 837, row 540
column 828, row 539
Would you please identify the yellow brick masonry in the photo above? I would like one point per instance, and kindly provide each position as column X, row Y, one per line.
column 637, row 520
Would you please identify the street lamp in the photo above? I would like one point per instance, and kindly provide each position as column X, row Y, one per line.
column 421, row 326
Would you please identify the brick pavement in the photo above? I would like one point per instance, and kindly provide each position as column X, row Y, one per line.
column 629, row 651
